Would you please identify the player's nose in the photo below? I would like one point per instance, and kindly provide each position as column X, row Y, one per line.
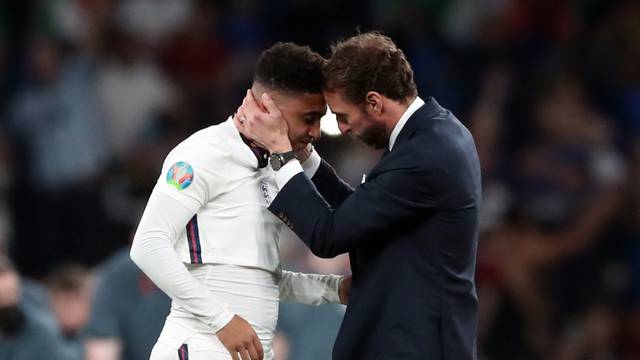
column 315, row 132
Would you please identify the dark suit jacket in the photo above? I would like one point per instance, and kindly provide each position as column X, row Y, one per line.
column 411, row 233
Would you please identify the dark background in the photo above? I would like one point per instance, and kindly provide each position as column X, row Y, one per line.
column 94, row 93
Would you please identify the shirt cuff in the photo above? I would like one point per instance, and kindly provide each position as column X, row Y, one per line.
column 311, row 165
column 221, row 320
column 333, row 286
column 289, row 170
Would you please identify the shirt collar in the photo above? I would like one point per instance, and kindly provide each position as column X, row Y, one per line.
column 413, row 107
column 260, row 154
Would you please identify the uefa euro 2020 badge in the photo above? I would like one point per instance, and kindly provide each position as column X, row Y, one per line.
column 180, row 175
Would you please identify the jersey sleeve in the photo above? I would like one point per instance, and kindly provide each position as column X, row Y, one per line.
column 187, row 178
column 309, row 289
column 154, row 254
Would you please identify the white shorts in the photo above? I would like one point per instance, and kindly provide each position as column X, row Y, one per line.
column 250, row 293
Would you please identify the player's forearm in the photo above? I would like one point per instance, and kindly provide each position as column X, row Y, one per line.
column 310, row 289
column 163, row 266
column 153, row 253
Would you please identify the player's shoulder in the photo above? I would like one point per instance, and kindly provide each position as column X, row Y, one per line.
column 206, row 146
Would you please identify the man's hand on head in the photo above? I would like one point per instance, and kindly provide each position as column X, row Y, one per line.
column 264, row 125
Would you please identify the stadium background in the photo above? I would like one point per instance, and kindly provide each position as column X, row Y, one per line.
column 95, row 93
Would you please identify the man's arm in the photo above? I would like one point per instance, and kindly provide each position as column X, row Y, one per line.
column 312, row 289
column 395, row 198
column 333, row 189
column 324, row 177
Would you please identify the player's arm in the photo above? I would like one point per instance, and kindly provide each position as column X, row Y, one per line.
column 153, row 252
column 314, row 289
column 183, row 188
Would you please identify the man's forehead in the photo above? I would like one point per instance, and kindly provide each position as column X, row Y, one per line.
column 335, row 100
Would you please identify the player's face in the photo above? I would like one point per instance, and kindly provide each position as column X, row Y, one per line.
column 354, row 120
column 302, row 113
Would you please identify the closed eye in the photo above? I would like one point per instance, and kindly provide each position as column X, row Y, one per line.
column 342, row 118
column 312, row 117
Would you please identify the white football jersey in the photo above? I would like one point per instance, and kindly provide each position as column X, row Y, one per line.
column 215, row 174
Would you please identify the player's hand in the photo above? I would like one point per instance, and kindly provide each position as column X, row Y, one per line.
column 240, row 338
column 264, row 124
column 345, row 289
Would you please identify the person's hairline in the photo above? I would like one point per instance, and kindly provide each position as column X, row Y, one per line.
column 340, row 91
column 258, row 88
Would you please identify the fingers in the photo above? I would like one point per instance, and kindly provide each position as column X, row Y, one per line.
column 268, row 103
column 234, row 354
column 250, row 104
column 252, row 352
column 244, row 354
column 239, row 119
column 259, row 349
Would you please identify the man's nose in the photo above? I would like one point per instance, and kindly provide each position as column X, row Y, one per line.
column 345, row 129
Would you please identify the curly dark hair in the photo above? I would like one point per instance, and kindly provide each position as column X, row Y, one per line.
column 290, row 67
column 369, row 62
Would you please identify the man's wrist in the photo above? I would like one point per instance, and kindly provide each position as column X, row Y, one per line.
column 281, row 148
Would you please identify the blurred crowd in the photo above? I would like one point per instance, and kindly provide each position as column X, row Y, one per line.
column 96, row 92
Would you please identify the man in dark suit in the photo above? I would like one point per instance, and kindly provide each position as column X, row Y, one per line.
column 410, row 229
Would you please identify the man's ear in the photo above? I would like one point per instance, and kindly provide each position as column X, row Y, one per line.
column 373, row 102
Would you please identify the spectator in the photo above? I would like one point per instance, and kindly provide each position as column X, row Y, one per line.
column 22, row 336
column 70, row 289
column 56, row 120
column 127, row 313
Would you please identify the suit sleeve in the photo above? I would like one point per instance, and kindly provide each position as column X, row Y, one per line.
column 333, row 189
column 394, row 198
